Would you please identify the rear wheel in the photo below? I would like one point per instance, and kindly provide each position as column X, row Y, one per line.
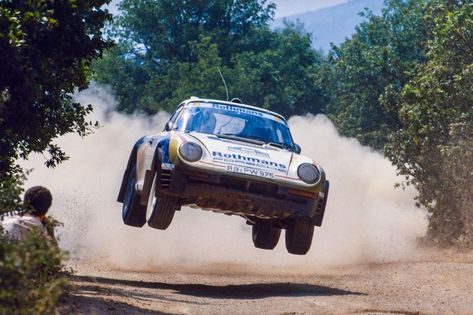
column 133, row 213
column 265, row 236
column 299, row 233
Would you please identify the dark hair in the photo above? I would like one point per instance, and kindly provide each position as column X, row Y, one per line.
column 38, row 199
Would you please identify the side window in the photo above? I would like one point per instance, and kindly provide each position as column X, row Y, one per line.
column 176, row 113
column 174, row 116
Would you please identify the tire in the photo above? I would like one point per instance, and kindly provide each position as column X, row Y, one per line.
column 163, row 212
column 299, row 235
column 161, row 207
column 133, row 213
column 265, row 236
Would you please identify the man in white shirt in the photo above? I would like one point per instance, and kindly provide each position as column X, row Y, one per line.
column 37, row 201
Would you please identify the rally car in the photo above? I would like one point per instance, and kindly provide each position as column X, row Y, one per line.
column 230, row 158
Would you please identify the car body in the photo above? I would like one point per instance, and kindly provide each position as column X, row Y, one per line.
column 230, row 158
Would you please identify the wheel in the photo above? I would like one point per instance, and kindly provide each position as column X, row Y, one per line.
column 265, row 236
column 161, row 207
column 133, row 213
column 163, row 212
column 299, row 235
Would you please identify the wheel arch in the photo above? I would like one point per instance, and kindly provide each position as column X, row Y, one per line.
column 162, row 146
column 131, row 162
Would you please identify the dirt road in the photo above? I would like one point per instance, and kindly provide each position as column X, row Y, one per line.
column 437, row 284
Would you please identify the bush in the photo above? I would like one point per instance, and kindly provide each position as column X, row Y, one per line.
column 32, row 277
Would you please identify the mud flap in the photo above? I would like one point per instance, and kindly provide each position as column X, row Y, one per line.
column 322, row 203
column 121, row 193
column 147, row 184
column 149, row 176
column 131, row 163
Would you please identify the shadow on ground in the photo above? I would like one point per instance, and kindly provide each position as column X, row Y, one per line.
column 240, row 291
column 79, row 304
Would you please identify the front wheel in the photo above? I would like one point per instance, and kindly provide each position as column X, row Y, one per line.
column 133, row 213
column 161, row 207
column 163, row 212
column 299, row 233
column 265, row 236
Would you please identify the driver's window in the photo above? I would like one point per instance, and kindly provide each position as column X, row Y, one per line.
column 175, row 115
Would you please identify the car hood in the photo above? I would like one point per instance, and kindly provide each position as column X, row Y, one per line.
column 235, row 152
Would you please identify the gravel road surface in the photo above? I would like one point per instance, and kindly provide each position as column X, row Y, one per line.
column 436, row 284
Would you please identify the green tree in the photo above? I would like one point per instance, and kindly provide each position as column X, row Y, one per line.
column 366, row 73
column 47, row 47
column 282, row 76
column 157, row 37
column 434, row 148
column 162, row 31
column 163, row 60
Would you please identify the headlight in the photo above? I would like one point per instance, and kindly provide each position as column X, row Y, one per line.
column 308, row 173
column 190, row 151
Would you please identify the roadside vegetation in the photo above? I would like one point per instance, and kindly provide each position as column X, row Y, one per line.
column 402, row 84
column 168, row 50
column 46, row 49
column 32, row 277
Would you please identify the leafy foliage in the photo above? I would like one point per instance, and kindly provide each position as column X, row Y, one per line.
column 283, row 76
column 31, row 275
column 165, row 29
column 46, row 47
column 11, row 189
column 366, row 73
column 434, row 147
column 162, row 60
column 403, row 84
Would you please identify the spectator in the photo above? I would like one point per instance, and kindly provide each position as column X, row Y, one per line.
column 37, row 201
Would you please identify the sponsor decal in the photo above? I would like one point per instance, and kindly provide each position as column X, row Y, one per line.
column 236, row 158
column 167, row 166
column 248, row 151
column 237, row 109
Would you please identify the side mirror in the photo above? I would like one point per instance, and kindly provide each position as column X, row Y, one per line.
column 169, row 126
column 297, row 148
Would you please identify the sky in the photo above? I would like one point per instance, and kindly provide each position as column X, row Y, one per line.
column 291, row 7
column 284, row 7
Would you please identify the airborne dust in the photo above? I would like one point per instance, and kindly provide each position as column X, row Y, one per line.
column 367, row 219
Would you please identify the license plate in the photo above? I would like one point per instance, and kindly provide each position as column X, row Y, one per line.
column 249, row 171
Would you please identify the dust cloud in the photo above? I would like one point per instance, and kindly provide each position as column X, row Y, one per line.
column 366, row 220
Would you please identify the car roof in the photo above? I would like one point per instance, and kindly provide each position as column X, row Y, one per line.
column 206, row 100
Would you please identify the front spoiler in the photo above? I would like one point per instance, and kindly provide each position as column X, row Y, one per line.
column 212, row 193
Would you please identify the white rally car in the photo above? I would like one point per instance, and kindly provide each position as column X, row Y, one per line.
column 230, row 158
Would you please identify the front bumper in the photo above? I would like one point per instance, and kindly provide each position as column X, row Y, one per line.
column 235, row 195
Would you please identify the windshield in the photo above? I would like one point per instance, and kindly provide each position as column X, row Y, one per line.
column 234, row 121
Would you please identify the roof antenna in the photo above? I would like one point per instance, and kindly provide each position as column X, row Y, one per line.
column 226, row 90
